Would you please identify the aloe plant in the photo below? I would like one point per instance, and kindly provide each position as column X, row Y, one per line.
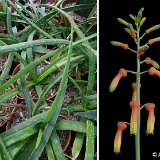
column 63, row 48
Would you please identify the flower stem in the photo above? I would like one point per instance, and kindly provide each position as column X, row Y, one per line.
column 143, row 35
column 138, row 76
column 144, row 72
column 143, row 106
column 131, row 72
column 132, row 50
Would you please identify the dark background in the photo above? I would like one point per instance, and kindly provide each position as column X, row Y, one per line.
column 114, row 107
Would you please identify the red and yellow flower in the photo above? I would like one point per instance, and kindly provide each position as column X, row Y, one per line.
column 151, row 118
column 148, row 60
column 115, row 81
column 153, row 71
column 118, row 137
column 120, row 44
column 133, row 120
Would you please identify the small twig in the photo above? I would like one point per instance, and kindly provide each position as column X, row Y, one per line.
column 11, row 117
column 12, row 105
column 69, row 157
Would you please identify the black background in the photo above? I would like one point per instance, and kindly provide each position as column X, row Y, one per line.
column 114, row 107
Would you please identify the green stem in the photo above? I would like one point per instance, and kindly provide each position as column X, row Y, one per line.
column 144, row 72
column 138, row 76
column 131, row 72
column 144, row 106
column 132, row 50
column 143, row 35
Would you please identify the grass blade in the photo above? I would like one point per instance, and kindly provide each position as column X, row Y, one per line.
column 71, row 125
column 49, row 150
column 56, row 145
column 28, row 100
column 9, row 61
column 25, row 124
column 46, row 89
column 7, row 95
column 3, row 151
column 77, row 145
column 89, row 153
column 20, row 135
column 27, row 20
column 24, row 45
column 15, row 148
column 26, row 150
column 27, row 68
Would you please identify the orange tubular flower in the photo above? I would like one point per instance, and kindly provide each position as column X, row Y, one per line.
column 118, row 137
column 153, row 71
column 120, row 44
column 151, row 118
column 148, row 60
column 133, row 121
column 134, row 95
column 115, row 81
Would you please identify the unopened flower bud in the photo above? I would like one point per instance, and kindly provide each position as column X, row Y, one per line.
column 151, row 41
column 133, row 120
column 152, row 28
column 115, row 81
column 127, row 31
column 148, row 60
column 139, row 16
column 153, row 71
column 132, row 17
column 120, row 44
column 151, row 118
column 142, row 21
column 131, row 32
column 118, row 137
column 142, row 49
column 122, row 21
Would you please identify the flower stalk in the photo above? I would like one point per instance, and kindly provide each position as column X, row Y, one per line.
column 138, row 78
column 135, row 118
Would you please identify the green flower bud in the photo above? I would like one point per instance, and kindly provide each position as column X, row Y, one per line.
column 122, row 21
column 151, row 41
column 142, row 21
column 127, row 31
column 153, row 28
column 139, row 16
column 132, row 17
